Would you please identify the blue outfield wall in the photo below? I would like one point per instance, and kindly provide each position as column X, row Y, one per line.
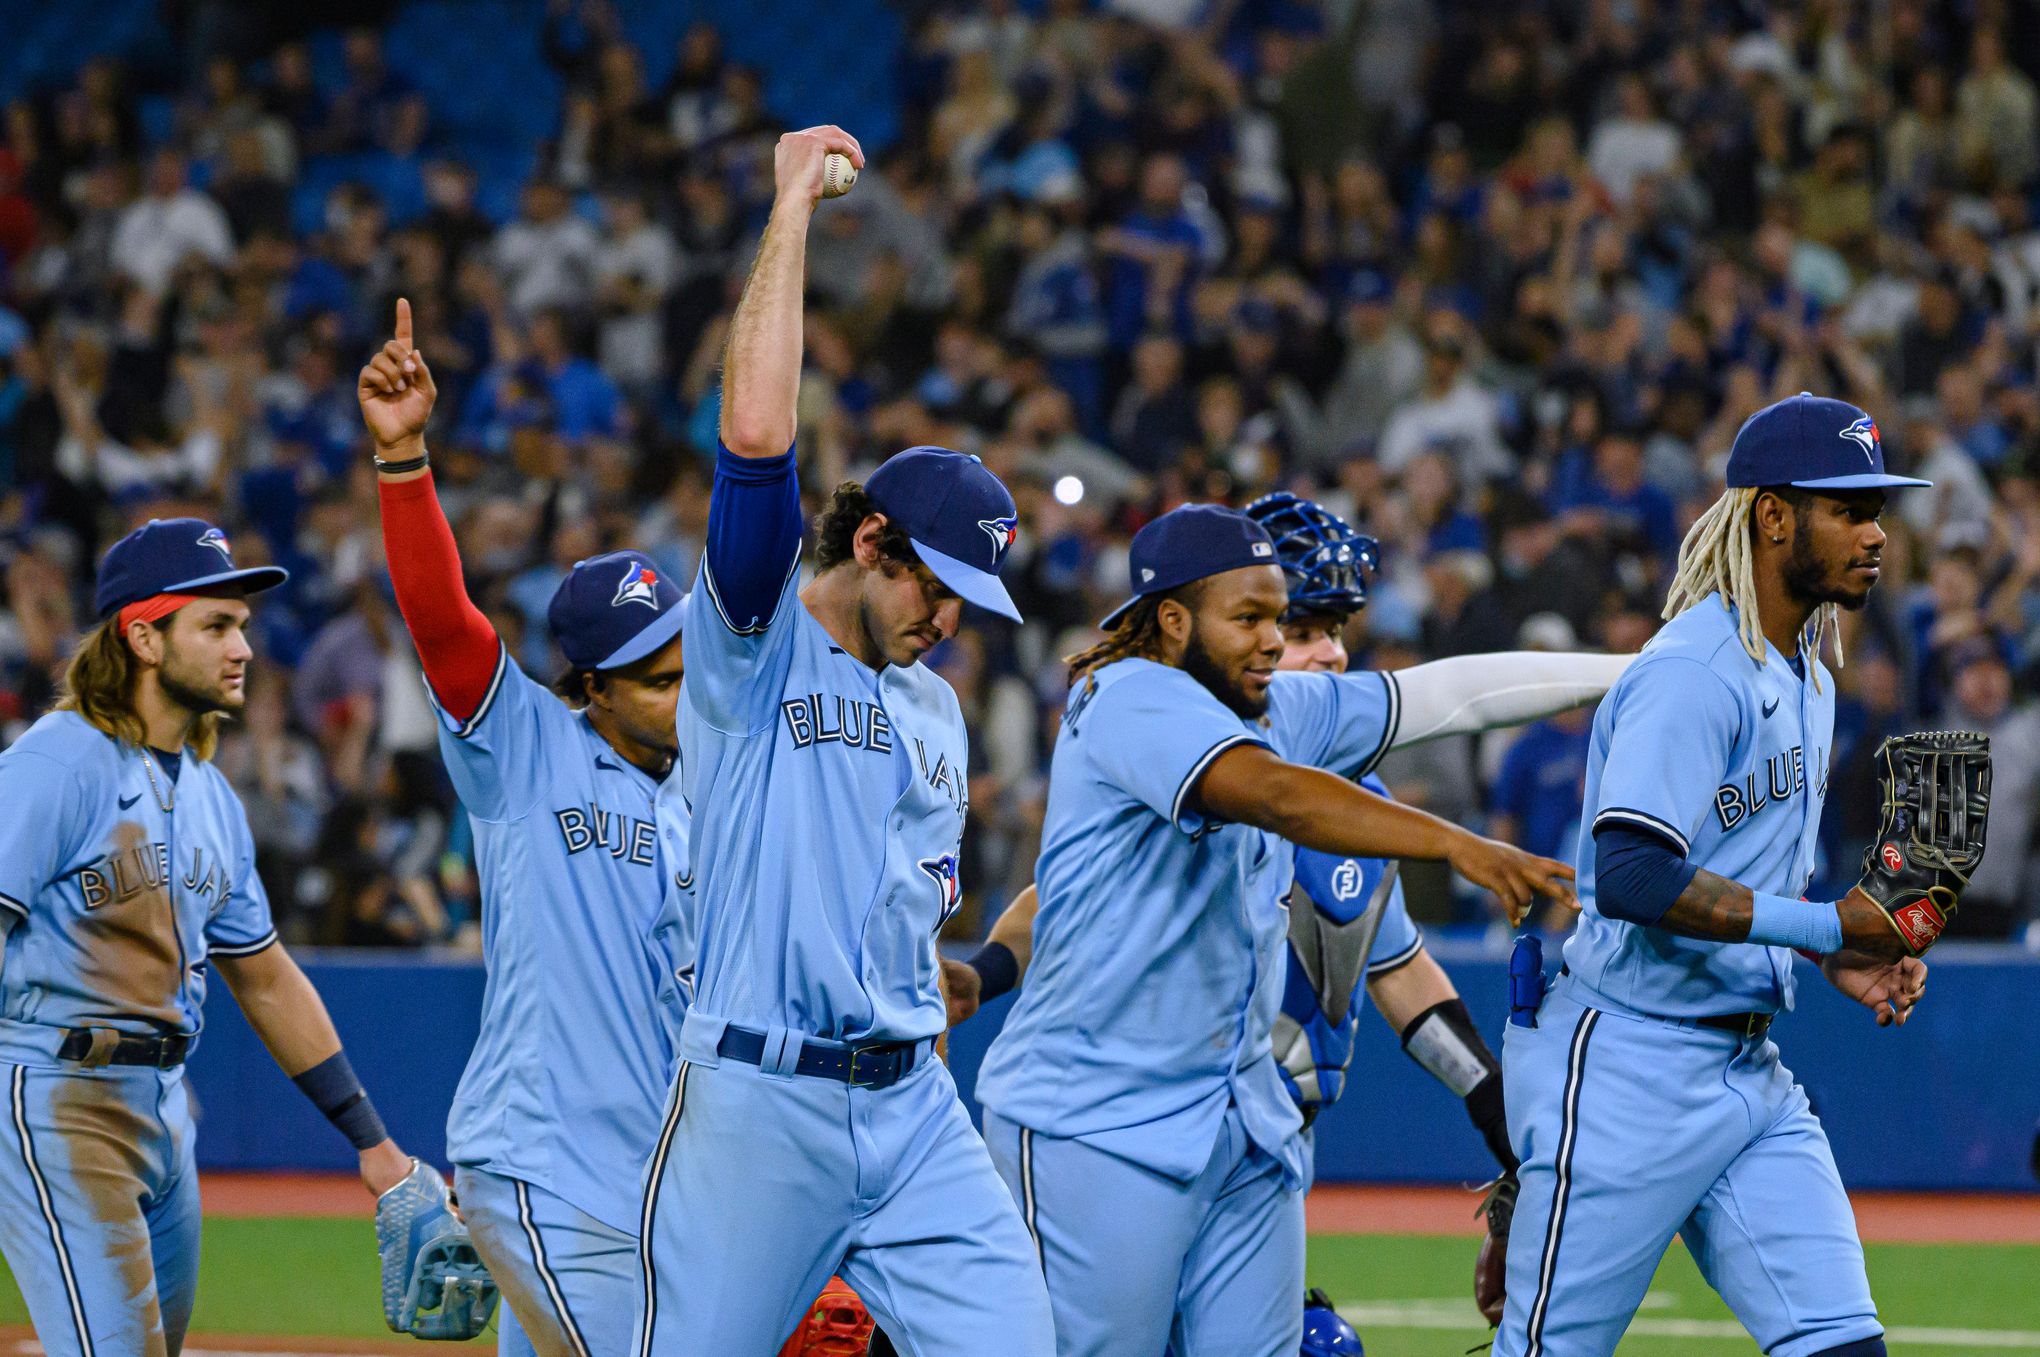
column 1947, row 1103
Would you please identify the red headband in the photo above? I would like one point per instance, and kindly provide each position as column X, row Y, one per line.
column 153, row 609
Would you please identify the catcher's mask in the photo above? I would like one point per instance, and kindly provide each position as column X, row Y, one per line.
column 1324, row 558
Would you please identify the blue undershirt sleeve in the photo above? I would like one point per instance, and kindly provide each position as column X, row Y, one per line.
column 1637, row 874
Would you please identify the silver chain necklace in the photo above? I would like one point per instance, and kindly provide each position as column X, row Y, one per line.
column 165, row 803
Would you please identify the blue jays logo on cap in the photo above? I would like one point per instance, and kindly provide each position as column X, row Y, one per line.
column 175, row 556
column 942, row 871
column 959, row 517
column 1864, row 434
column 1812, row 442
column 1002, row 531
column 639, row 585
column 594, row 628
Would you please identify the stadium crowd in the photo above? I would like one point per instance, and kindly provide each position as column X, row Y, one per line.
column 1497, row 282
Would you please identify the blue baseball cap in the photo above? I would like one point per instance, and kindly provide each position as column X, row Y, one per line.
column 959, row 517
column 1813, row 442
column 614, row 609
column 175, row 556
column 1192, row 543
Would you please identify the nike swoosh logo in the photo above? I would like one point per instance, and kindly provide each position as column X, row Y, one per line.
column 1770, row 707
column 601, row 762
column 127, row 801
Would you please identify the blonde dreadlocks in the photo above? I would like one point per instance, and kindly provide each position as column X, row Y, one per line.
column 1717, row 556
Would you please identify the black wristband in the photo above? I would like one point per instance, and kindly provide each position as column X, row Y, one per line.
column 335, row 1091
column 998, row 970
column 418, row 463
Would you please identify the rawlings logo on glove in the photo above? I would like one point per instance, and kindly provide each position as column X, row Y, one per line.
column 433, row 1283
column 1936, row 808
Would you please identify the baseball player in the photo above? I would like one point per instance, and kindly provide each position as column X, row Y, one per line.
column 560, row 1103
column 1646, row 1097
column 1133, row 1101
column 127, row 871
column 827, row 771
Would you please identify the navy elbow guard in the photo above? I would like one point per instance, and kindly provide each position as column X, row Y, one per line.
column 1445, row 1042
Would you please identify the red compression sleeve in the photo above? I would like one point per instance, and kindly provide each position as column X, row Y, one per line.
column 456, row 643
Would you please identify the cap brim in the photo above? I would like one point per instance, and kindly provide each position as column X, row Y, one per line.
column 1868, row 480
column 660, row 630
column 253, row 580
column 969, row 583
column 1111, row 619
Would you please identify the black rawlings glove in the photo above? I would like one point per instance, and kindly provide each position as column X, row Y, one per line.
column 1936, row 807
column 1491, row 1267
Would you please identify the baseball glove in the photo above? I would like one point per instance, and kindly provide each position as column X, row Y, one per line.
column 433, row 1282
column 1491, row 1268
column 1936, row 806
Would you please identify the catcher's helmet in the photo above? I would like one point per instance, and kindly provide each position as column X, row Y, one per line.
column 1324, row 1333
column 1324, row 558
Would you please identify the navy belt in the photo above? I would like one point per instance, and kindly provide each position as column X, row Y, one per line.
column 880, row 1064
column 94, row 1047
column 1748, row 1026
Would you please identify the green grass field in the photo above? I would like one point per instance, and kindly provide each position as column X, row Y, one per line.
column 1408, row 1295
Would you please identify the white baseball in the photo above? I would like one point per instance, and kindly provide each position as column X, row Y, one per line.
column 838, row 174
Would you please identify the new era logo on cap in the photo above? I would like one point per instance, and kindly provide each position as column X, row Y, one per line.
column 639, row 584
column 1191, row 543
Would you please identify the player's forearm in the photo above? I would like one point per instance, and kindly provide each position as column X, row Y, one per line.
column 1711, row 907
column 456, row 644
column 761, row 363
column 1470, row 693
column 280, row 1003
column 1438, row 1033
column 1404, row 993
column 1320, row 810
column 1015, row 928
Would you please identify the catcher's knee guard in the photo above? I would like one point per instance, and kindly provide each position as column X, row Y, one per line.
column 836, row 1325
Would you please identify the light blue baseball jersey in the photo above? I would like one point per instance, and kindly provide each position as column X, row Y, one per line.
column 568, row 1079
column 1160, row 945
column 828, row 799
column 1727, row 761
column 117, row 901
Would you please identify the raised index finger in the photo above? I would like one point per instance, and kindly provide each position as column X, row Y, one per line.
column 404, row 321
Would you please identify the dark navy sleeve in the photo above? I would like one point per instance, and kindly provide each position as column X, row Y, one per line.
column 739, row 625
column 753, row 538
column 1638, row 874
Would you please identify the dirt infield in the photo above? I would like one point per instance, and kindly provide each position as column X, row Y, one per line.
column 22, row 1343
column 1883, row 1217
